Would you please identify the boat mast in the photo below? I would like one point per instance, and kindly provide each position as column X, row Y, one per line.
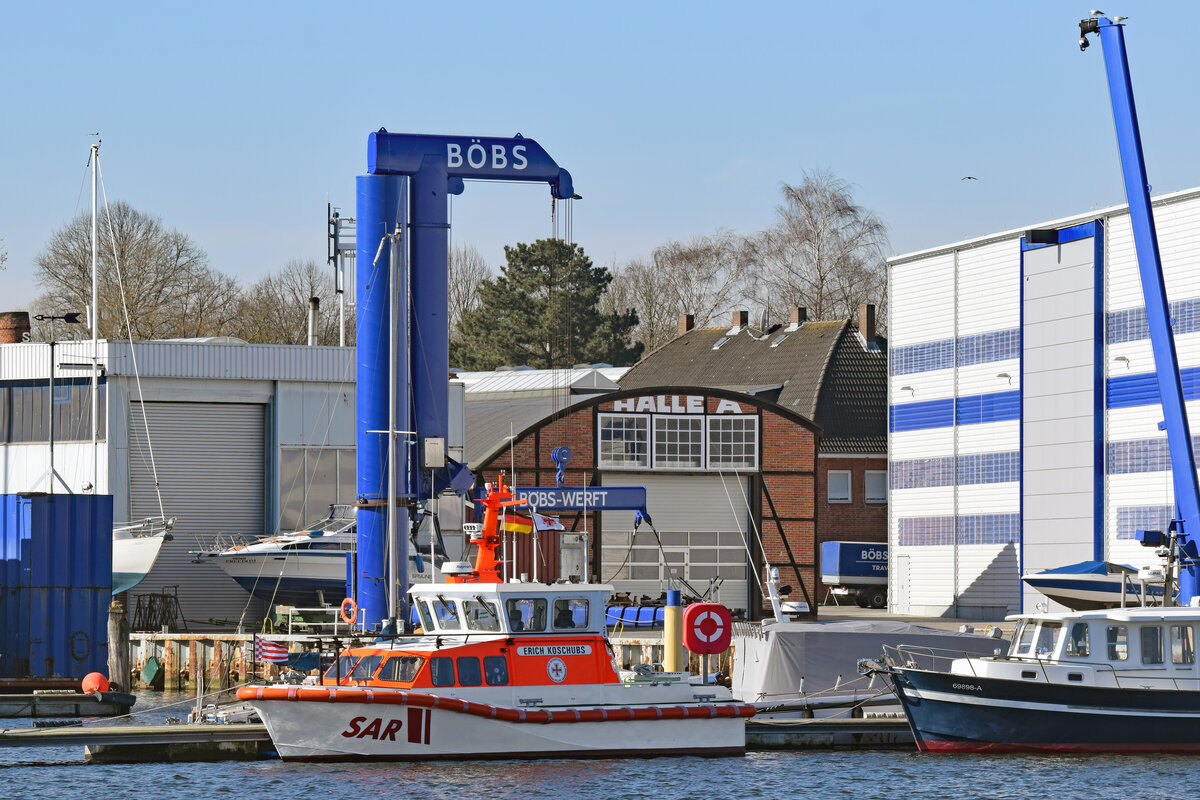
column 95, row 326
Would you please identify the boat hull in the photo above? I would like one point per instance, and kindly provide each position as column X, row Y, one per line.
column 381, row 725
column 1090, row 592
column 957, row 713
column 133, row 557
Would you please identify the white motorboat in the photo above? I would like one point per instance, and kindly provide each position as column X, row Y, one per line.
column 135, row 548
column 307, row 567
column 1090, row 585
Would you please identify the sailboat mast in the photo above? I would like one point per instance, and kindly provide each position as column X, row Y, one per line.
column 95, row 326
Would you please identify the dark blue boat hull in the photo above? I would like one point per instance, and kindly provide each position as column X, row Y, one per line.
column 954, row 713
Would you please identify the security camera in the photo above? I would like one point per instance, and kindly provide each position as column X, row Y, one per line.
column 1083, row 43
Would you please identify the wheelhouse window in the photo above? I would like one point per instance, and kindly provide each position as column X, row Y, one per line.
column 426, row 617
column 1023, row 640
column 570, row 613
column 1118, row 643
column 1152, row 644
column 732, row 442
column 441, row 671
column 1183, row 650
column 401, row 669
column 446, row 614
column 365, row 668
column 1077, row 644
column 624, row 440
column 341, row 668
column 1047, row 640
column 679, row 442
column 526, row 613
column 481, row 615
column 469, row 673
column 495, row 670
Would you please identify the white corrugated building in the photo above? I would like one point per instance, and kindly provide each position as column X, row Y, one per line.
column 246, row 439
column 1023, row 409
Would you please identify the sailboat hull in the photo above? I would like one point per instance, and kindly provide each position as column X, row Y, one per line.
column 133, row 558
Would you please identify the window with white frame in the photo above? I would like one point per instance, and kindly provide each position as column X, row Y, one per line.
column 732, row 442
column 624, row 440
column 877, row 486
column 679, row 442
column 838, row 485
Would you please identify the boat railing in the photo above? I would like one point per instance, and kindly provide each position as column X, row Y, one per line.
column 150, row 526
column 932, row 659
column 219, row 542
column 301, row 621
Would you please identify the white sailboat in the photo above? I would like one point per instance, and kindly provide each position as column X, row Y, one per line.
column 136, row 545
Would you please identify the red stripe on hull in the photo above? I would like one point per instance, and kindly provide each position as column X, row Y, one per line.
column 934, row 746
column 712, row 752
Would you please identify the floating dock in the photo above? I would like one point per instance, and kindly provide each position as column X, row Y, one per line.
column 65, row 704
column 130, row 744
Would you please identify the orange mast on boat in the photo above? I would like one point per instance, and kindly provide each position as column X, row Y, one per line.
column 499, row 497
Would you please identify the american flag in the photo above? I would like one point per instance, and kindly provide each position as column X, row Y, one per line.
column 266, row 650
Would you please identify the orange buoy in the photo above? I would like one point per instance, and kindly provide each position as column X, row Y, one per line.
column 94, row 682
column 349, row 611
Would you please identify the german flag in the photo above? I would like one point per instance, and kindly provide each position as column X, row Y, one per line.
column 515, row 523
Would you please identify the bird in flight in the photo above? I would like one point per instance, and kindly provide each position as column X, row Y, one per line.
column 969, row 178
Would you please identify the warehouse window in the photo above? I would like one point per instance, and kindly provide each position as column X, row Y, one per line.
column 25, row 408
column 679, row 442
column 732, row 442
column 877, row 486
column 624, row 440
column 839, row 486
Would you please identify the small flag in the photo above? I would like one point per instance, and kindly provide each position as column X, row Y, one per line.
column 515, row 523
column 544, row 523
column 266, row 650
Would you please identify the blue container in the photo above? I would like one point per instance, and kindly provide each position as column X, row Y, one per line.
column 56, row 572
column 854, row 563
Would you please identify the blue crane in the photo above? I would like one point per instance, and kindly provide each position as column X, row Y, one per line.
column 1185, row 527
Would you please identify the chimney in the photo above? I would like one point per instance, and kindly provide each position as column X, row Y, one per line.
column 13, row 326
column 866, row 322
column 686, row 323
column 799, row 315
column 741, row 319
column 314, row 307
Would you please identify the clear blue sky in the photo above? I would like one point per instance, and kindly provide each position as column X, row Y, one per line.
column 234, row 121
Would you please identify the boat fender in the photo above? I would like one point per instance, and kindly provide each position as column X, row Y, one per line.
column 349, row 611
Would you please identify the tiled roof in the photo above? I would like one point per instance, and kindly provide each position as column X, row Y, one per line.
column 820, row 370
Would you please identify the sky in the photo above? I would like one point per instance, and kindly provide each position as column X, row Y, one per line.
column 237, row 122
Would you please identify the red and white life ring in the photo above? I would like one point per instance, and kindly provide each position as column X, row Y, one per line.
column 707, row 628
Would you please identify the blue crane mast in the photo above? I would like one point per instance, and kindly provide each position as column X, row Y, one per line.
column 1185, row 527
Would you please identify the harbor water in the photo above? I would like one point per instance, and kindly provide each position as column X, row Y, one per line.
column 60, row 772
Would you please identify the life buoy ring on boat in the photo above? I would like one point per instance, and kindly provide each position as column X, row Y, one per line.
column 349, row 611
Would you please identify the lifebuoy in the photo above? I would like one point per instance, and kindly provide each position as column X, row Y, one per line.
column 349, row 611
column 698, row 629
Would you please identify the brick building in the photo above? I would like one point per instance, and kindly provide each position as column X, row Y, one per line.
column 753, row 445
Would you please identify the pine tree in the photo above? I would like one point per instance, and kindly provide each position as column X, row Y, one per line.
column 544, row 311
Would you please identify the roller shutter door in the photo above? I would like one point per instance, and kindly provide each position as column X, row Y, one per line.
column 211, row 466
column 702, row 521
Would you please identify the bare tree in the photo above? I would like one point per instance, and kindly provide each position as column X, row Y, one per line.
column 168, row 286
column 701, row 276
column 824, row 252
column 275, row 309
column 468, row 270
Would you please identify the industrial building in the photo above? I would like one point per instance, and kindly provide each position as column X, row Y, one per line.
column 241, row 440
column 1023, row 407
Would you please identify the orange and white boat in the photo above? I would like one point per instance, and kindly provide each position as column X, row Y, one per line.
column 502, row 670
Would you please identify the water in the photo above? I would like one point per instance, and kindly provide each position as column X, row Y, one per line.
column 59, row 772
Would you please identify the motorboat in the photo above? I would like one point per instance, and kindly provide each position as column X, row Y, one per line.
column 1090, row 585
column 307, row 567
column 1116, row 681
column 512, row 669
column 135, row 548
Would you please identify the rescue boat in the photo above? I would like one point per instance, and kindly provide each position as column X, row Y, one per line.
column 499, row 670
